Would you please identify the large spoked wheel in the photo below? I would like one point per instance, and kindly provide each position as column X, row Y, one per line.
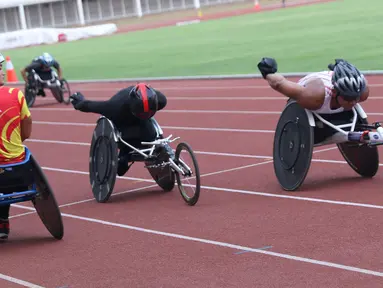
column 65, row 90
column 45, row 203
column 189, row 183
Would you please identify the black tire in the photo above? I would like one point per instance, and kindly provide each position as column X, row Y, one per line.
column 57, row 94
column 293, row 147
column 363, row 159
column 189, row 200
column 103, row 159
column 66, row 93
column 45, row 203
column 30, row 97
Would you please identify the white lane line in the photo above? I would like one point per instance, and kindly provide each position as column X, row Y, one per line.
column 165, row 127
column 82, row 201
column 239, row 191
column 223, row 244
column 19, row 281
column 203, row 152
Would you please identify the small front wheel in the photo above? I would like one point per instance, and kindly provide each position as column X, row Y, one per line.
column 189, row 183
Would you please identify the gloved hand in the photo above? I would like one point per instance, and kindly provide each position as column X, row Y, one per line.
column 337, row 61
column 77, row 100
column 267, row 66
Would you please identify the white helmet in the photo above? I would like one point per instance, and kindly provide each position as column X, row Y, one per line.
column 2, row 59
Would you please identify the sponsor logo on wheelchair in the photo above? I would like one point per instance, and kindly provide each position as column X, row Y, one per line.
column 161, row 165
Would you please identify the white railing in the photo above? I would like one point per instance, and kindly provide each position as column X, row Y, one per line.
column 28, row 14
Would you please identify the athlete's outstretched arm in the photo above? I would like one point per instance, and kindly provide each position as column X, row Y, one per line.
column 310, row 96
column 106, row 108
column 99, row 107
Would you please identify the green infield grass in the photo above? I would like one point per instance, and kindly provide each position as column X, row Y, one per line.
column 302, row 39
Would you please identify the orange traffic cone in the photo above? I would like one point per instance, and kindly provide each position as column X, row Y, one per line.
column 11, row 73
column 257, row 7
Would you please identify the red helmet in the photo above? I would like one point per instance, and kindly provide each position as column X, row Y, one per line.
column 144, row 101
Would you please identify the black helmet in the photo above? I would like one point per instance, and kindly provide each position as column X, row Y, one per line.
column 347, row 80
column 144, row 101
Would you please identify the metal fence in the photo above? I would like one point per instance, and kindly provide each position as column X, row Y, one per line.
column 68, row 12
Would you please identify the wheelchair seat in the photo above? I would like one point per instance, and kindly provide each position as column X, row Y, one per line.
column 25, row 181
column 16, row 177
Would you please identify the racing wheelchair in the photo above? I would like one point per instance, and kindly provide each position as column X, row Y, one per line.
column 59, row 90
column 106, row 141
column 25, row 181
column 300, row 130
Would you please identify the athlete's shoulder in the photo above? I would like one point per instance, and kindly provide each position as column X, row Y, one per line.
column 9, row 90
column 12, row 93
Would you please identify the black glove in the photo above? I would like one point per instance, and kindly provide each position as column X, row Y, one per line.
column 267, row 66
column 77, row 100
column 337, row 61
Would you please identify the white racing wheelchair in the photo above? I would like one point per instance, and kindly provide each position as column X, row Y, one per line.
column 103, row 161
column 300, row 130
column 59, row 90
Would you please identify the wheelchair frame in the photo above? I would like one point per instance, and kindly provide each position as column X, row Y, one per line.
column 102, row 189
column 51, row 84
column 357, row 145
column 375, row 138
column 158, row 142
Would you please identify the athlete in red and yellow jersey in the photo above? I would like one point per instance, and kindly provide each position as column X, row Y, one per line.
column 15, row 124
column 15, row 127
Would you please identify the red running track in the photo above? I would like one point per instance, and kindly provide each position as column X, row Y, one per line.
column 244, row 231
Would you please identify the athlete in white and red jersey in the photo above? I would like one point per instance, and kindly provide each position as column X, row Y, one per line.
column 325, row 92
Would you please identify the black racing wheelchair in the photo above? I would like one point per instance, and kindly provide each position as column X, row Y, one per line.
column 300, row 130
column 59, row 89
column 106, row 141
column 25, row 181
